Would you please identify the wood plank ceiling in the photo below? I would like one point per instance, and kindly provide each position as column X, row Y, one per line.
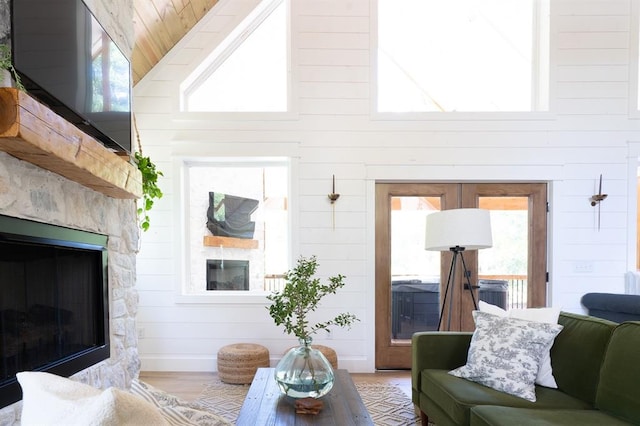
column 158, row 26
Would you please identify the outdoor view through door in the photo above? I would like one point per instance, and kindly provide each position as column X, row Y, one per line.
column 410, row 281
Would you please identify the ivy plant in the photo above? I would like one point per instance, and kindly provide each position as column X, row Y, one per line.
column 300, row 296
column 150, row 188
column 6, row 64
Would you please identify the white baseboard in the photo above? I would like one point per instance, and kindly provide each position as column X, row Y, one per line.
column 354, row 365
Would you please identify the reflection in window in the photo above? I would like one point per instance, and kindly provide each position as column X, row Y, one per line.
column 236, row 212
column 110, row 73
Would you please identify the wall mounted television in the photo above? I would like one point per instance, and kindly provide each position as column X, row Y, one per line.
column 67, row 61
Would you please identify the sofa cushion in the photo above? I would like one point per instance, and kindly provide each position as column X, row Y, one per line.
column 455, row 396
column 491, row 415
column 548, row 315
column 620, row 374
column 505, row 353
column 577, row 354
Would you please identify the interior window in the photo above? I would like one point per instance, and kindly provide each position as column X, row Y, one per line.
column 237, row 225
column 462, row 55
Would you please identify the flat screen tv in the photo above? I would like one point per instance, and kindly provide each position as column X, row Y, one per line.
column 67, row 61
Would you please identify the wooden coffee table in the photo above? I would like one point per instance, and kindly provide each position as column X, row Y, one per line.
column 265, row 405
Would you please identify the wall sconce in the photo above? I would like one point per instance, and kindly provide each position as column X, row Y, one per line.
column 333, row 197
column 597, row 198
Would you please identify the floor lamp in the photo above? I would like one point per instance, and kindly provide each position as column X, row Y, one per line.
column 457, row 230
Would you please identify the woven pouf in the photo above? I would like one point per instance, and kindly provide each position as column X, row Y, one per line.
column 328, row 353
column 238, row 363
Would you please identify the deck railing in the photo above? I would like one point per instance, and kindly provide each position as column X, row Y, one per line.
column 515, row 297
column 274, row 282
column 516, row 291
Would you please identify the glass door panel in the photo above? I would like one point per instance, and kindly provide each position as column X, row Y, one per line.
column 415, row 272
column 503, row 268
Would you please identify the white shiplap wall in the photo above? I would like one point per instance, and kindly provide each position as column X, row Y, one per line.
column 332, row 131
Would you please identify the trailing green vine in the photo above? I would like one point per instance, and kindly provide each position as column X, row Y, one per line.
column 150, row 188
column 6, row 64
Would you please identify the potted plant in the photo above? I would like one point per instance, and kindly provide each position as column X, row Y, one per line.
column 9, row 71
column 150, row 188
column 150, row 175
column 304, row 371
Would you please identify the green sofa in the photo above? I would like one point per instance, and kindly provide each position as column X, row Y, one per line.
column 596, row 364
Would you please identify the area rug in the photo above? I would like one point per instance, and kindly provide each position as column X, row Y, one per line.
column 387, row 404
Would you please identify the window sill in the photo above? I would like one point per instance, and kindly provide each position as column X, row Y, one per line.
column 463, row 116
column 224, row 298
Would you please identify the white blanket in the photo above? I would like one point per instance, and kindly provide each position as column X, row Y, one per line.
column 53, row 400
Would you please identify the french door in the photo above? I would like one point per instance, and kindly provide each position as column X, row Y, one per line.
column 410, row 281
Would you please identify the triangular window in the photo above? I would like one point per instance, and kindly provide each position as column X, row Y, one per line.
column 248, row 70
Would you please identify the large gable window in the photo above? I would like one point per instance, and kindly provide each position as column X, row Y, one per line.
column 462, row 55
column 248, row 70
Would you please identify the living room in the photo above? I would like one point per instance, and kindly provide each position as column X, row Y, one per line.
column 332, row 138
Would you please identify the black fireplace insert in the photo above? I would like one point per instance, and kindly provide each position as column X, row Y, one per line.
column 54, row 301
column 227, row 274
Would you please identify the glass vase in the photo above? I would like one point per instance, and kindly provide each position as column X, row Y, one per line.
column 304, row 372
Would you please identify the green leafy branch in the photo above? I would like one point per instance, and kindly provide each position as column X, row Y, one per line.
column 5, row 63
column 150, row 188
column 300, row 296
column 150, row 174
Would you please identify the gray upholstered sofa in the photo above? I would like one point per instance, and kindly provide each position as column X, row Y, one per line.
column 614, row 307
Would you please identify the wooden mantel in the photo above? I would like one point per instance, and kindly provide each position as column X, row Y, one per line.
column 242, row 243
column 32, row 132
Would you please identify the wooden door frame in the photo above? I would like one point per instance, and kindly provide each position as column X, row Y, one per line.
column 537, row 229
column 390, row 354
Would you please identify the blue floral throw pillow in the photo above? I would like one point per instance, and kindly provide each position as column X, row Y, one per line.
column 505, row 353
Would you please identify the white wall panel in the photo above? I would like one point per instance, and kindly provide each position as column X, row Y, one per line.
column 353, row 8
column 593, row 40
column 334, row 24
column 573, row 73
column 592, row 56
column 595, row 23
column 334, row 73
column 592, row 7
column 350, row 57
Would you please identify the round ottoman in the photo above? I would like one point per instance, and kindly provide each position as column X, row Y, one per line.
column 237, row 363
column 329, row 354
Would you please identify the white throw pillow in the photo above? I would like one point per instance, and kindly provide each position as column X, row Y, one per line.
column 546, row 315
column 505, row 353
column 48, row 399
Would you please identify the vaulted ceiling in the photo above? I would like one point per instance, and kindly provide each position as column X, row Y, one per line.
column 158, row 26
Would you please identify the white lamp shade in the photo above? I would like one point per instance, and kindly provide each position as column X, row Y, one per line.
column 468, row 228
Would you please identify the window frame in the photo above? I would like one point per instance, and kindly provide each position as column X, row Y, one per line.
column 181, row 250
column 214, row 59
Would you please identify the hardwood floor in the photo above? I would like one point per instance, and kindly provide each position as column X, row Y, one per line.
column 188, row 385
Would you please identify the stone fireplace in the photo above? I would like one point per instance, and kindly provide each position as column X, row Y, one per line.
column 64, row 178
column 28, row 191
